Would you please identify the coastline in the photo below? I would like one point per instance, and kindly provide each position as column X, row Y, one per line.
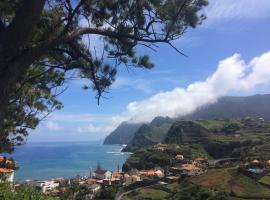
column 47, row 160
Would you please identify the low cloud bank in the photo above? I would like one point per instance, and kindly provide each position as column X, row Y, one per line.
column 233, row 74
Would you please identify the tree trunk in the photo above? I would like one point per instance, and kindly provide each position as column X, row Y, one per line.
column 13, row 40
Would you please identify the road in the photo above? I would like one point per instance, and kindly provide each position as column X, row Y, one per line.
column 214, row 162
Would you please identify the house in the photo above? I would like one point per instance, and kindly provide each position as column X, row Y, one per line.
column 179, row 157
column 6, row 175
column 255, row 162
column 268, row 163
column 102, row 174
column 159, row 173
column 47, row 186
column 7, row 161
column 151, row 173
column 160, row 147
column 171, row 179
column 7, row 169
column 117, row 175
column 187, row 169
column 131, row 179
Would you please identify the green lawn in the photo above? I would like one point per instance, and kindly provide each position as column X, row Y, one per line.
column 265, row 180
column 146, row 193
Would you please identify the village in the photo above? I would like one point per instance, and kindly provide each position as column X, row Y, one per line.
column 100, row 178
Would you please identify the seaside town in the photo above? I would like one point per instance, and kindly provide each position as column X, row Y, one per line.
column 134, row 100
column 179, row 170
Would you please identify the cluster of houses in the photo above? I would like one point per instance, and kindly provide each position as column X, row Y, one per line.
column 183, row 167
column 97, row 179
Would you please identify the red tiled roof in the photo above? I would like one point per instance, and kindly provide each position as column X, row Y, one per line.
column 5, row 170
column 7, row 161
column 255, row 161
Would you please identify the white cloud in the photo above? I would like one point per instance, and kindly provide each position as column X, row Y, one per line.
column 96, row 129
column 53, row 126
column 232, row 75
column 219, row 10
column 88, row 118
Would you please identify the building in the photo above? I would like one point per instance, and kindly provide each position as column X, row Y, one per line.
column 102, row 174
column 131, row 179
column 187, row 170
column 6, row 175
column 151, row 173
column 255, row 162
column 47, row 186
column 171, row 179
column 179, row 157
column 160, row 147
column 7, row 169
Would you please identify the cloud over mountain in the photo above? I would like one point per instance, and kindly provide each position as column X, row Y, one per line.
column 233, row 74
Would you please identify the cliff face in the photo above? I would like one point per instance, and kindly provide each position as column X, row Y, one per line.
column 122, row 134
column 186, row 132
column 150, row 134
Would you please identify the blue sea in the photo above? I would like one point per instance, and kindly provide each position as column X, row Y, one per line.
column 41, row 161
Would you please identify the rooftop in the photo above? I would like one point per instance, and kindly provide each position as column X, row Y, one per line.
column 5, row 170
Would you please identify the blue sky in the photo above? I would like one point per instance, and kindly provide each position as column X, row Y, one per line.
column 232, row 27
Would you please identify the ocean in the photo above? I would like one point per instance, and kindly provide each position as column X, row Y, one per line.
column 41, row 161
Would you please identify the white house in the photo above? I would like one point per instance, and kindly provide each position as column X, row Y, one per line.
column 102, row 174
column 45, row 186
column 6, row 175
column 179, row 157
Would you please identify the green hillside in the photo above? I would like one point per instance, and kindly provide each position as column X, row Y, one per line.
column 150, row 134
column 247, row 138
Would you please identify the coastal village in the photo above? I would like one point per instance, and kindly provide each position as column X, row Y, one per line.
column 179, row 169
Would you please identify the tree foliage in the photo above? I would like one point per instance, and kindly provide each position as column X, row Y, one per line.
column 43, row 42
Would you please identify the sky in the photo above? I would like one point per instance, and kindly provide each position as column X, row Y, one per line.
column 229, row 54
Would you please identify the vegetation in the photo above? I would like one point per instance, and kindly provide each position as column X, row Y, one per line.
column 22, row 193
column 42, row 41
column 246, row 138
column 107, row 192
column 175, row 191
column 149, row 134
column 233, row 182
column 146, row 159
column 225, row 108
column 265, row 180
column 223, row 138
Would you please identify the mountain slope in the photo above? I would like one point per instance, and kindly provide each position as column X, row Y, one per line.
column 122, row 134
column 235, row 107
column 150, row 134
column 226, row 108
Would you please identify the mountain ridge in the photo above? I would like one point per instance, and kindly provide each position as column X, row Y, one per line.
column 227, row 107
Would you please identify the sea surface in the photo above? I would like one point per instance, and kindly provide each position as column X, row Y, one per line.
column 41, row 161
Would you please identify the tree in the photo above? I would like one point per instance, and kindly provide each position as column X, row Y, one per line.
column 43, row 41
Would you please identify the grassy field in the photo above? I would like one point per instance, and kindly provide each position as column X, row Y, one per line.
column 146, row 193
column 265, row 180
column 232, row 181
